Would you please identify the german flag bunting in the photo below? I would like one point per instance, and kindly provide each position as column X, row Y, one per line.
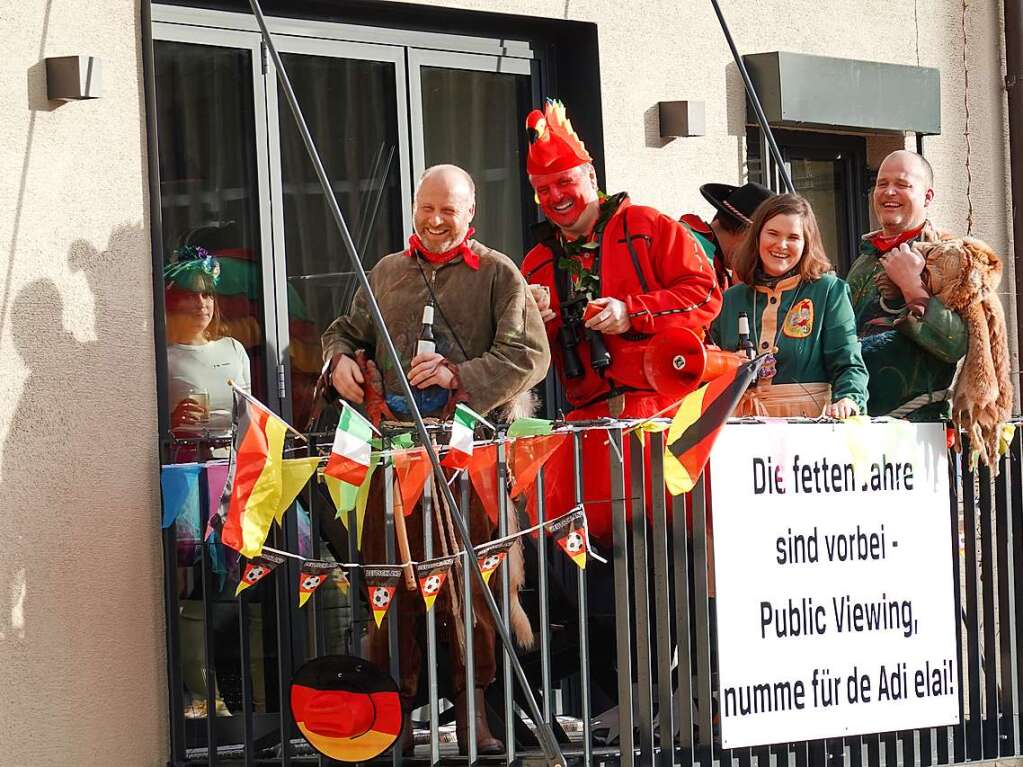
column 571, row 535
column 431, row 576
column 381, row 583
column 491, row 556
column 253, row 488
column 312, row 575
column 696, row 425
column 256, row 569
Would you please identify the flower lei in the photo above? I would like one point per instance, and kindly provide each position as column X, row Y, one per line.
column 584, row 280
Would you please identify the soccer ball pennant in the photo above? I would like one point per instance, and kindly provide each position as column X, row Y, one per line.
column 571, row 534
column 381, row 583
column 431, row 576
column 312, row 575
column 491, row 556
column 257, row 568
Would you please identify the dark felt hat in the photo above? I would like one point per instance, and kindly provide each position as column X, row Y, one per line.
column 736, row 202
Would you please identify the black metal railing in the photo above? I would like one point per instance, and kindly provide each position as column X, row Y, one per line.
column 636, row 633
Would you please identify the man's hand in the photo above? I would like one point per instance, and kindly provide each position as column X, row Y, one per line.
column 613, row 318
column 542, row 296
column 844, row 408
column 347, row 379
column 430, row 370
column 903, row 265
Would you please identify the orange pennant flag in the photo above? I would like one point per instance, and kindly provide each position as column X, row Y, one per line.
column 528, row 455
column 483, row 473
column 411, row 470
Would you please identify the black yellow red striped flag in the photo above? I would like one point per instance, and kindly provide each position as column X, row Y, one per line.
column 253, row 488
column 696, row 425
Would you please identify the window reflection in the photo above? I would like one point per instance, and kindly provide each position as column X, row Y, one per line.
column 209, row 202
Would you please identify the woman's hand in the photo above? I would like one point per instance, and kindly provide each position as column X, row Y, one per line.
column 188, row 412
column 842, row 409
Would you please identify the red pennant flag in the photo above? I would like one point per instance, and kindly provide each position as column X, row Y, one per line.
column 381, row 583
column 491, row 556
column 527, row 457
column 431, row 576
column 483, row 473
column 257, row 569
column 311, row 577
column 411, row 470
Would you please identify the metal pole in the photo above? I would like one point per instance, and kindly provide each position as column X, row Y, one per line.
column 752, row 93
column 545, row 734
column 1013, row 11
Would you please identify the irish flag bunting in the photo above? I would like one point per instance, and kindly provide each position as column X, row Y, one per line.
column 460, row 446
column 349, row 455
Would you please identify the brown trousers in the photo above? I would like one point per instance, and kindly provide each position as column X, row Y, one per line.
column 408, row 606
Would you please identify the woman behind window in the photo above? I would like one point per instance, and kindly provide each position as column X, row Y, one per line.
column 200, row 359
column 799, row 313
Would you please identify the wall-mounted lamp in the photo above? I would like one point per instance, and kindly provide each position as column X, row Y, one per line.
column 73, row 78
column 681, row 118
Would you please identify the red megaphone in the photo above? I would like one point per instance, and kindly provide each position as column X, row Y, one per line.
column 676, row 362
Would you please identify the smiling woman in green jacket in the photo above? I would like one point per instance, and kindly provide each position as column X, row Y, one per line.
column 799, row 313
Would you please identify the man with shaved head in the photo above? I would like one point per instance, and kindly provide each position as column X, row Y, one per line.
column 490, row 350
column 911, row 340
column 486, row 353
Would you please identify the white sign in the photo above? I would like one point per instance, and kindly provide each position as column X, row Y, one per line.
column 835, row 593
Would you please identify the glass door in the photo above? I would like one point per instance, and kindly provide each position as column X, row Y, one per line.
column 827, row 169
column 352, row 99
column 469, row 110
column 214, row 203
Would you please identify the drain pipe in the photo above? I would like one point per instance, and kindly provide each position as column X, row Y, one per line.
column 1013, row 10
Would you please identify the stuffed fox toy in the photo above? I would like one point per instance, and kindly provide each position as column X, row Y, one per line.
column 964, row 274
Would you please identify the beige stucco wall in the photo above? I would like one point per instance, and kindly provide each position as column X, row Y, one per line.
column 82, row 667
column 81, row 616
column 671, row 49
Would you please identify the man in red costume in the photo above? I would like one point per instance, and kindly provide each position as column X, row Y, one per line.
column 607, row 275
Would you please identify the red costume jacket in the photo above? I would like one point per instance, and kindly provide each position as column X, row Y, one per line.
column 665, row 281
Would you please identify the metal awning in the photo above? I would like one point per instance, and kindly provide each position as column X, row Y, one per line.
column 799, row 90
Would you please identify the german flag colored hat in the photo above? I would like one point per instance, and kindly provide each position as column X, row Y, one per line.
column 553, row 144
column 346, row 708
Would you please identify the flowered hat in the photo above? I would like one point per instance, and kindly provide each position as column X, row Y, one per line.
column 193, row 268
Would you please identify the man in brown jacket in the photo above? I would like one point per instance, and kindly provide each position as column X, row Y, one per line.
column 491, row 348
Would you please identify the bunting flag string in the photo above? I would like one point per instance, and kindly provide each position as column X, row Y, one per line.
column 381, row 583
column 311, row 576
column 431, row 576
column 382, row 580
column 257, row 568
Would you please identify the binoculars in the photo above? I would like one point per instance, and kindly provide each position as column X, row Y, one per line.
column 572, row 332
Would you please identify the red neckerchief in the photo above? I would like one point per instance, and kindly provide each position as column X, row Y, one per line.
column 415, row 245
column 885, row 244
